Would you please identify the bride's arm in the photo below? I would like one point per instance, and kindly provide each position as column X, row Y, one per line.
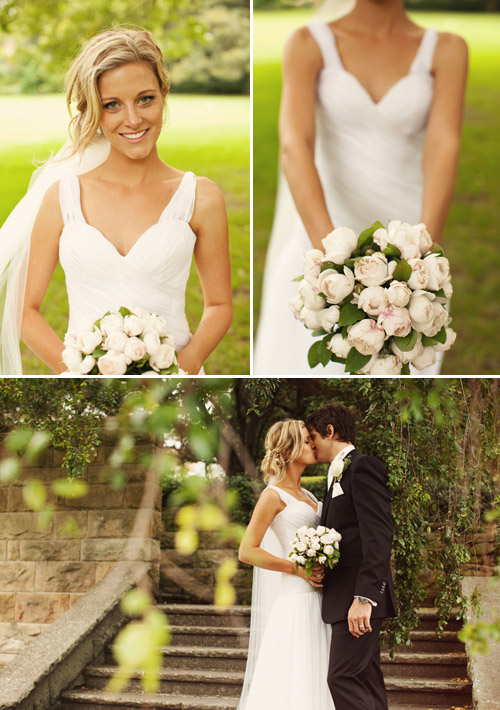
column 301, row 63
column 268, row 506
column 442, row 141
column 211, row 255
column 38, row 335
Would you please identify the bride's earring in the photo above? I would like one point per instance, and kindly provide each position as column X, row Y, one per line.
column 99, row 131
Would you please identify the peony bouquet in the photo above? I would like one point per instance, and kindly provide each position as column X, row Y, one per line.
column 377, row 302
column 121, row 343
column 315, row 546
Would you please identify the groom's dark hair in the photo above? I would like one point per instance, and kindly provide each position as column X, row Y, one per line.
column 340, row 417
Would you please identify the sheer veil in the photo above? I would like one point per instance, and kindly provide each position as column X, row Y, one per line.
column 15, row 237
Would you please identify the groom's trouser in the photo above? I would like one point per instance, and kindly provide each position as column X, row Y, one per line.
column 354, row 675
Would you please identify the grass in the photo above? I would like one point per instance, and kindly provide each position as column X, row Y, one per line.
column 208, row 135
column 471, row 236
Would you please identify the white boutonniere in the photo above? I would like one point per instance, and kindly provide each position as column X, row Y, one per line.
column 345, row 463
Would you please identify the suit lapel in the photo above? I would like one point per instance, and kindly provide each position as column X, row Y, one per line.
column 328, row 496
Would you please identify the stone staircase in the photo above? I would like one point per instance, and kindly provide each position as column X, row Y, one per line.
column 205, row 663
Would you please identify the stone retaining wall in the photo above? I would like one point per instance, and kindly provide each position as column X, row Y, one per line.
column 43, row 572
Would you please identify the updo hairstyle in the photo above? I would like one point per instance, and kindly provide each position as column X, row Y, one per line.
column 284, row 443
column 105, row 51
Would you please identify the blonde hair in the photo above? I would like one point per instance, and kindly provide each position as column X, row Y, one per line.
column 105, row 51
column 284, row 443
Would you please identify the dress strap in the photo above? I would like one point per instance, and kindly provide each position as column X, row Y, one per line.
column 285, row 497
column 425, row 54
column 69, row 199
column 181, row 206
column 325, row 39
column 310, row 495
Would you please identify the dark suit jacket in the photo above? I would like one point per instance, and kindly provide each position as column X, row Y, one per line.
column 362, row 515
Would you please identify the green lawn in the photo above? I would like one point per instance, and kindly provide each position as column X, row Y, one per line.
column 471, row 237
column 205, row 134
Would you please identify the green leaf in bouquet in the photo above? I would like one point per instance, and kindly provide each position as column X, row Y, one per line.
column 340, row 360
column 437, row 249
column 313, row 354
column 403, row 271
column 435, row 339
column 298, row 278
column 125, row 311
column 350, row 314
column 332, row 265
column 351, row 262
column 367, row 233
column 408, row 342
column 355, row 360
column 439, row 294
column 405, row 370
column 368, row 246
column 325, row 355
column 392, row 250
column 99, row 352
column 319, row 331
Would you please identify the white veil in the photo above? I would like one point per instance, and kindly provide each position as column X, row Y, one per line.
column 15, row 237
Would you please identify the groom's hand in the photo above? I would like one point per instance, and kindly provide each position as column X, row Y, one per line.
column 359, row 618
column 316, row 578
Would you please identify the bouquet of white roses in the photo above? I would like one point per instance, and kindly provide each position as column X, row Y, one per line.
column 377, row 300
column 315, row 546
column 121, row 343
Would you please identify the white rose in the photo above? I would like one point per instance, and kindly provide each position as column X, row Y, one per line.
column 295, row 305
column 336, row 286
column 366, row 336
column 315, row 546
column 301, row 547
column 72, row 358
column 112, row 363
column 448, row 292
column 408, row 355
column 321, row 559
column 310, row 296
column 381, row 238
column 439, row 319
column 86, row 365
column 405, row 237
column 311, row 553
column 398, row 293
column 438, row 268
column 339, row 346
column 160, row 325
column 313, row 260
column 293, row 556
column 339, row 245
column 426, row 358
column 425, row 239
column 135, row 349
column 419, row 275
column 320, row 530
column 151, row 340
column 421, row 310
column 328, row 317
column 310, row 318
column 327, row 539
column 133, row 325
column 451, row 336
column 374, row 270
column 328, row 550
column 395, row 321
column 116, row 341
column 302, row 530
column 336, row 536
column 390, row 365
column 87, row 342
column 70, row 339
column 373, row 300
column 111, row 323
column 336, row 545
column 163, row 357
column 314, row 538
column 301, row 560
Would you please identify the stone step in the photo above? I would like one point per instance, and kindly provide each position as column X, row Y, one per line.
column 446, row 706
column 206, row 615
column 429, row 620
column 200, row 683
column 429, row 642
column 235, row 637
column 205, row 658
column 99, row 700
column 425, row 665
column 429, row 691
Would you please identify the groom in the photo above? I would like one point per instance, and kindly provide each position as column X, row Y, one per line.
column 358, row 593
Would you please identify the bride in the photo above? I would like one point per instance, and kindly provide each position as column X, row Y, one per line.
column 289, row 646
column 370, row 123
column 123, row 223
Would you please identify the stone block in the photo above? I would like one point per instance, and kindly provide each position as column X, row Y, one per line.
column 69, row 525
column 6, row 658
column 102, row 523
column 105, row 549
column 17, row 576
column 3, row 499
column 40, row 608
column 15, row 637
column 212, row 558
column 157, row 530
column 46, row 550
column 7, row 606
column 17, row 504
column 97, row 473
column 102, row 569
column 13, row 550
column 73, row 598
column 155, row 550
column 64, row 576
column 3, row 549
column 99, row 496
column 22, row 525
column 135, row 492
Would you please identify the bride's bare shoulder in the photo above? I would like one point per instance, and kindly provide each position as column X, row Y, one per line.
column 302, row 47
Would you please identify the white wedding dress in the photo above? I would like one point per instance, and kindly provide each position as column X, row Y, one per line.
column 369, row 159
column 151, row 277
column 289, row 643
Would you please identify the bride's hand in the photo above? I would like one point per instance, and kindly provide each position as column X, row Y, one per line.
column 316, row 578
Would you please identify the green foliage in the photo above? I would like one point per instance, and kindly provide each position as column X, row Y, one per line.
column 244, row 501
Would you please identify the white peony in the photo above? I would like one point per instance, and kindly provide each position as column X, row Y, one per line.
column 438, row 268
column 390, row 365
column 87, row 342
column 448, row 292
column 133, row 325
column 313, row 259
column 163, row 357
column 295, row 305
column 328, row 317
column 160, row 325
column 373, row 300
column 311, row 319
column 86, row 365
column 426, row 358
column 405, row 237
column 381, row 238
column 408, row 355
column 398, row 294
column 425, row 239
column 374, row 270
column 111, row 323
column 451, row 336
column 439, row 319
column 116, row 341
column 336, row 286
column 395, row 321
column 72, row 358
column 366, row 336
column 112, row 363
column 339, row 346
column 135, row 349
column 421, row 310
column 70, row 339
column 310, row 296
column 151, row 340
column 419, row 275
column 339, row 245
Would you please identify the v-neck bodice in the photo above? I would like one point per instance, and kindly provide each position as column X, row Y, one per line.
column 150, row 277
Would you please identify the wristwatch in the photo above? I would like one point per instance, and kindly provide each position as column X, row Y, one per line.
column 364, row 600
